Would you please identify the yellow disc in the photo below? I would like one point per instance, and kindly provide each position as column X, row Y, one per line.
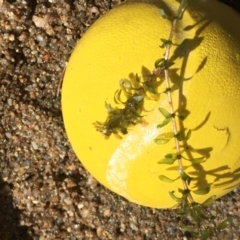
column 206, row 54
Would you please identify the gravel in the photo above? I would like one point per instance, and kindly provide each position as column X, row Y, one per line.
column 45, row 193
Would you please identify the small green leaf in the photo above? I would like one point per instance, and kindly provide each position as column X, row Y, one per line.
column 161, row 141
column 194, row 212
column 170, row 155
column 167, row 161
column 151, row 88
column 224, row 224
column 117, row 96
column 185, row 203
column 180, row 190
column 185, row 177
column 166, row 179
column 184, row 192
column 164, row 138
column 184, row 5
column 108, row 107
column 209, row 201
column 182, row 117
column 164, row 123
column 163, row 14
column 157, row 63
column 182, row 211
column 125, row 84
column 165, row 42
column 205, row 234
column 197, row 160
column 198, row 208
column 194, row 215
column 188, row 135
column 137, row 98
column 167, row 64
column 202, row 191
column 188, row 228
column 165, row 113
column 176, row 199
column 180, row 136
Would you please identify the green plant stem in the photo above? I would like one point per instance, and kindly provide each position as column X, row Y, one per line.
column 180, row 11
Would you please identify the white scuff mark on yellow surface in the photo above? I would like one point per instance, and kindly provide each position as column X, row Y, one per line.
column 117, row 172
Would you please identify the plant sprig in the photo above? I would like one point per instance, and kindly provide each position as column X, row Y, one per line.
column 203, row 225
column 131, row 95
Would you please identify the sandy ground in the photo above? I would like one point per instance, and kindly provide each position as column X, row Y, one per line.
column 45, row 193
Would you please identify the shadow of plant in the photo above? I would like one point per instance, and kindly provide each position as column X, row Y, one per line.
column 222, row 175
column 10, row 228
column 183, row 51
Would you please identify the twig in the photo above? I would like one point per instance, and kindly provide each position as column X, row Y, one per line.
column 180, row 12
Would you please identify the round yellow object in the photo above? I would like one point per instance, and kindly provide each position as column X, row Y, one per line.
column 206, row 53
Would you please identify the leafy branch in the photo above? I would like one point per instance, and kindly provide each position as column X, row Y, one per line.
column 166, row 64
column 131, row 95
column 202, row 225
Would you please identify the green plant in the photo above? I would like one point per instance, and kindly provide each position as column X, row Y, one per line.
column 135, row 92
column 202, row 225
column 195, row 217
